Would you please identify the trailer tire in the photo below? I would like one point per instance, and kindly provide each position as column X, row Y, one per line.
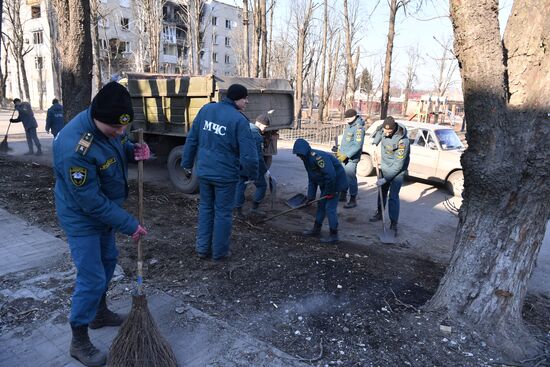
column 365, row 166
column 180, row 182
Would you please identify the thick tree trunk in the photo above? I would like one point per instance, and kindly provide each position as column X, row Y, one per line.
column 321, row 109
column 385, row 100
column 76, row 58
column 506, row 168
column 56, row 65
column 246, row 38
column 25, row 79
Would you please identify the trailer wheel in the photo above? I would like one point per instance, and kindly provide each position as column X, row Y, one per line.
column 365, row 166
column 182, row 183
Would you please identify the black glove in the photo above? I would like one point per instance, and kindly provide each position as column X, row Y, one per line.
column 187, row 172
column 334, row 149
column 13, row 120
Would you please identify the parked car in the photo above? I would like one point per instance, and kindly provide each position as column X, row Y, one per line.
column 435, row 154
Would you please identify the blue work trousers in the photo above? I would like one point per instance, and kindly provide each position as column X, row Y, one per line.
column 393, row 187
column 261, row 188
column 215, row 217
column 328, row 208
column 351, row 173
column 95, row 258
column 32, row 137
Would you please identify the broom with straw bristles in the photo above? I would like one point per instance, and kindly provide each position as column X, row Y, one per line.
column 139, row 343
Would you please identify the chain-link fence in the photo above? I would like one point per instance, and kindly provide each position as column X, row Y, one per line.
column 314, row 132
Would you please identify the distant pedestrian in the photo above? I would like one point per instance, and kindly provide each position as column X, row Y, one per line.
column 395, row 152
column 54, row 118
column 327, row 173
column 257, row 129
column 221, row 143
column 349, row 153
column 91, row 156
column 26, row 116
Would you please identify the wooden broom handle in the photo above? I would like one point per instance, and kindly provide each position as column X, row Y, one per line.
column 140, row 215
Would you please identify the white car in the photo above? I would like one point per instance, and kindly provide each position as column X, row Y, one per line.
column 435, row 154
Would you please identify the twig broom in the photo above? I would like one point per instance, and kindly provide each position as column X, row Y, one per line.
column 139, row 343
column 4, row 148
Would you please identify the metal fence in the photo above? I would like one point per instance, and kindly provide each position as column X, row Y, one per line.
column 314, row 132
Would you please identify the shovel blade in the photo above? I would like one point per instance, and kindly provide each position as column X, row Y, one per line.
column 387, row 236
column 296, row 200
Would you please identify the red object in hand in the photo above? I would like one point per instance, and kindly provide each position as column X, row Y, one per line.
column 140, row 231
column 141, row 152
column 329, row 196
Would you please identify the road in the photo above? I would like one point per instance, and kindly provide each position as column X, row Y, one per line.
column 427, row 223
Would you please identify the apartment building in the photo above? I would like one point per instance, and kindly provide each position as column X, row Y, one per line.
column 121, row 43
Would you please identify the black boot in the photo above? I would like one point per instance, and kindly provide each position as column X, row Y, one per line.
column 332, row 238
column 83, row 350
column 352, row 203
column 314, row 232
column 255, row 210
column 39, row 151
column 343, row 196
column 376, row 217
column 104, row 316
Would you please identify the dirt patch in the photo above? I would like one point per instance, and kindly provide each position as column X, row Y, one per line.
column 330, row 305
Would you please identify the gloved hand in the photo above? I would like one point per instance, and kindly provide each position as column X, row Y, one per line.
column 187, row 172
column 334, row 149
column 141, row 152
column 381, row 181
column 140, row 232
column 329, row 196
column 12, row 120
column 341, row 156
column 47, row 131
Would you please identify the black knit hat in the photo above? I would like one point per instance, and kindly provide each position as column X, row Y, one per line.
column 350, row 113
column 389, row 123
column 236, row 92
column 263, row 119
column 112, row 105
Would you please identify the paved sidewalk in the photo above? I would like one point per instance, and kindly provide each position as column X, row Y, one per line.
column 196, row 338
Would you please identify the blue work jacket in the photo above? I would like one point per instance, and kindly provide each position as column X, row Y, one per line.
column 395, row 152
column 91, row 178
column 26, row 116
column 259, row 140
column 323, row 170
column 221, row 142
column 352, row 140
column 54, row 118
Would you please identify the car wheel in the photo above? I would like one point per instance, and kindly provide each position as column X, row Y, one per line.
column 178, row 178
column 455, row 183
column 365, row 167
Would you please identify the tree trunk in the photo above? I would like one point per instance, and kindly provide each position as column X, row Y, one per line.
column 263, row 32
column 256, row 39
column 246, row 38
column 76, row 58
column 507, row 197
column 321, row 109
column 95, row 42
column 270, row 42
column 54, row 38
column 385, row 100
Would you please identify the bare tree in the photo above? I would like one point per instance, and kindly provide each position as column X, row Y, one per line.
column 303, row 16
column 410, row 76
column 77, row 65
column 446, row 66
column 19, row 46
column 94, row 20
column 395, row 5
column 54, row 50
column 506, row 203
column 271, row 10
column 352, row 51
column 246, row 38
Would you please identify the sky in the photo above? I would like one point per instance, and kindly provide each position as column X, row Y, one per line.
column 427, row 29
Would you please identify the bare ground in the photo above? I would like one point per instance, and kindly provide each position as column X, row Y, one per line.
column 327, row 305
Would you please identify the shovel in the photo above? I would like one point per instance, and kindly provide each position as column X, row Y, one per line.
column 272, row 182
column 385, row 236
column 292, row 209
column 4, row 144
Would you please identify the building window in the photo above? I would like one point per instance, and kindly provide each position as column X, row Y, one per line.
column 215, row 57
column 35, row 11
column 227, row 59
column 215, row 41
column 124, row 23
column 103, row 44
column 227, row 41
column 227, row 24
column 214, row 20
column 201, row 55
column 125, row 46
column 38, row 62
column 37, row 38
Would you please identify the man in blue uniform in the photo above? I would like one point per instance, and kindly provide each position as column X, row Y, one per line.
column 395, row 152
column 257, row 129
column 54, row 118
column 221, row 143
column 349, row 153
column 325, row 171
column 90, row 156
column 26, row 116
